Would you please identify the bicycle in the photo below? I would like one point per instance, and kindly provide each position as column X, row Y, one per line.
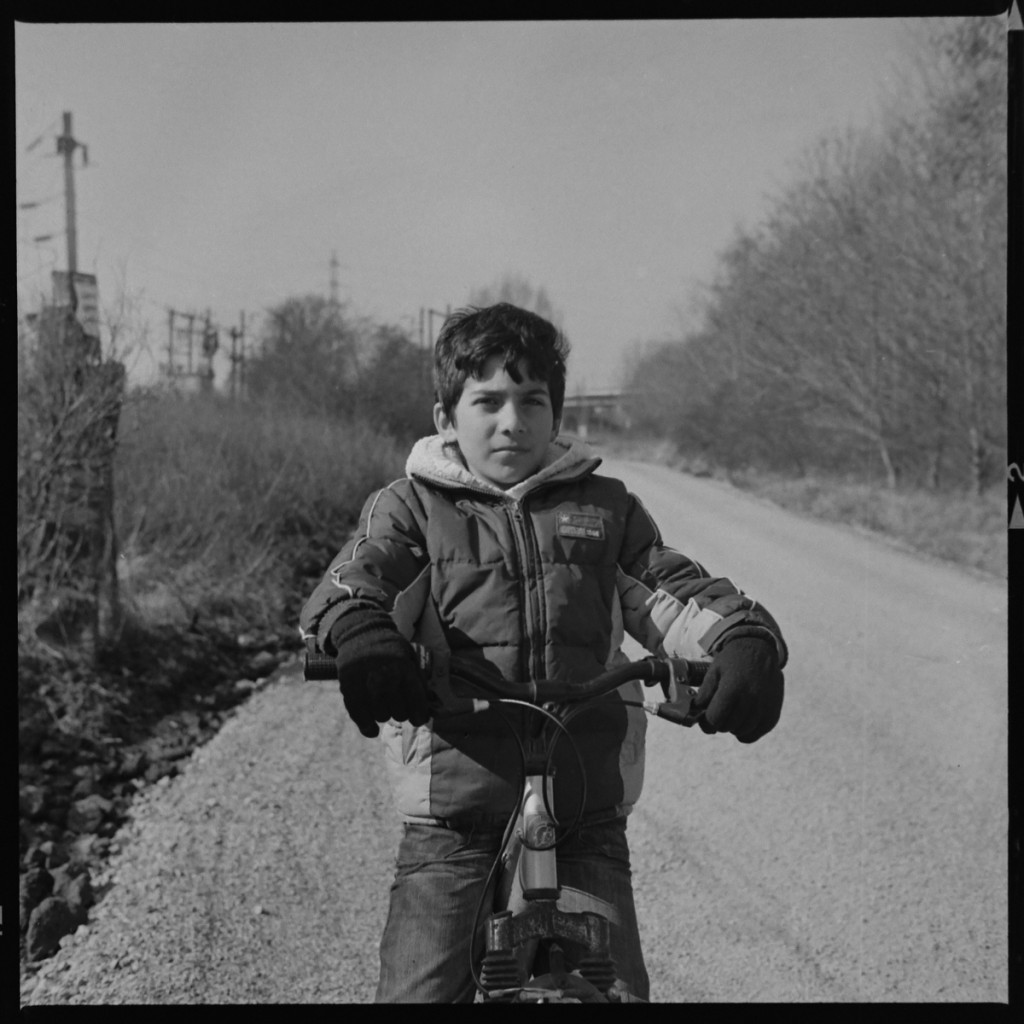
column 527, row 935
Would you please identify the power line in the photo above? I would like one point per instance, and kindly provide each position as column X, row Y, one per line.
column 34, row 204
column 42, row 135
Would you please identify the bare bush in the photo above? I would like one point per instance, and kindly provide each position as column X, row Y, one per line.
column 68, row 408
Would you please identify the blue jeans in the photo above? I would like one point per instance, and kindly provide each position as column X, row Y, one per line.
column 440, row 878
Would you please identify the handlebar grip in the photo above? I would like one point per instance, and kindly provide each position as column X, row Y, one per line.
column 319, row 666
column 688, row 672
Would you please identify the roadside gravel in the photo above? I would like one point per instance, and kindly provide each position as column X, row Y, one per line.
column 258, row 875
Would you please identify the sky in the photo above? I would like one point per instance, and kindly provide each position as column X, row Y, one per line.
column 609, row 162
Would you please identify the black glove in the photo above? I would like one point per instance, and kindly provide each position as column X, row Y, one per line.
column 742, row 691
column 378, row 672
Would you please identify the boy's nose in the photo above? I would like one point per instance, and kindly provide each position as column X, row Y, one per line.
column 511, row 421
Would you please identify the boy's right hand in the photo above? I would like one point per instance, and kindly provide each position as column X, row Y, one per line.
column 378, row 671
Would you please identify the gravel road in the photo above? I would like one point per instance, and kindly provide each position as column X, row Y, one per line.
column 856, row 854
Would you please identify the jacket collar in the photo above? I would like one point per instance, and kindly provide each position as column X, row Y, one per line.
column 434, row 462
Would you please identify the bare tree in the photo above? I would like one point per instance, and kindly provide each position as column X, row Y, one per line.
column 866, row 314
column 308, row 355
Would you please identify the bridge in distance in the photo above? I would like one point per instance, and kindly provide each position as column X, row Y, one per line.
column 597, row 410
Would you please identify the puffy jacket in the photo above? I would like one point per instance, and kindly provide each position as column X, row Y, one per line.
column 540, row 581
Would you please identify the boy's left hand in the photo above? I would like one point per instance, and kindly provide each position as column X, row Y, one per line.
column 743, row 689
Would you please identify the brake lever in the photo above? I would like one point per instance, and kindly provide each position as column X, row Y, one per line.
column 678, row 713
column 677, row 707
column 679, row 691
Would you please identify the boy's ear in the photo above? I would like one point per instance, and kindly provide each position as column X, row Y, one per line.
column 445, row 424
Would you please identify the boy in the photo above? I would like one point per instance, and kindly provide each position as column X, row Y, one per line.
column 504, row 548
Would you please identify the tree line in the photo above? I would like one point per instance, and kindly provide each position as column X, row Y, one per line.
column 859, row 329
column 318, row 356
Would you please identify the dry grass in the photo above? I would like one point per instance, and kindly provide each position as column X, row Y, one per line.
column 224, row 506
column 953, row 527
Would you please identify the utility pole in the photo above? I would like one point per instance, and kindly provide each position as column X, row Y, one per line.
column 191, row 318
column 241, row 380
column 197, row 340
column 334, row 278
column 211, row 342
column 66, row 146
column 84, row 521
column 170, row 344
column 238, row 358
column 233, row 357
column 431, row 313
column 429, row 342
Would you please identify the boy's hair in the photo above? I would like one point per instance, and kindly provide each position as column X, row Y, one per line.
column 471, row 336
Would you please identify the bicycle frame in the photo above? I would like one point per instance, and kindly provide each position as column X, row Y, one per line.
column 523, row 931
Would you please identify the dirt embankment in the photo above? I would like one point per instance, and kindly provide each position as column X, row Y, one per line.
column 77, row 791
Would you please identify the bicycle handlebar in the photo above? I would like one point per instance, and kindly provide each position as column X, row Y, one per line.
column 679, row 678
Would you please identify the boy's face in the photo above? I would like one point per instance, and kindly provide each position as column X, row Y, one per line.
column 502, row 428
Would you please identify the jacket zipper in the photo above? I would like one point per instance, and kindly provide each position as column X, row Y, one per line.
column 532, row 659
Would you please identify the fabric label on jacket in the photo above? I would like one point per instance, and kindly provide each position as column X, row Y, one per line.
column 579, row 524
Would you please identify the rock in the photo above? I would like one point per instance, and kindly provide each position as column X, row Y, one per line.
column 63, row 875
column 132, row 762
column 52, row 747
column 35, row 856
column 262, row 665
column 33, row 887
column 30, row 738
column 84, row 787
column 49, row 922
column 80, row 896
column 31, row 801
column 47, row 832
column 27, row 836
column 160, row 771
column 56, row 853
column 88, row 778
column 86, row 815
column 57, row 813
column 83, row 848
column 72, row 884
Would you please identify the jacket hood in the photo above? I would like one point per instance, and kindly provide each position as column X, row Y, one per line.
column 434, row 462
